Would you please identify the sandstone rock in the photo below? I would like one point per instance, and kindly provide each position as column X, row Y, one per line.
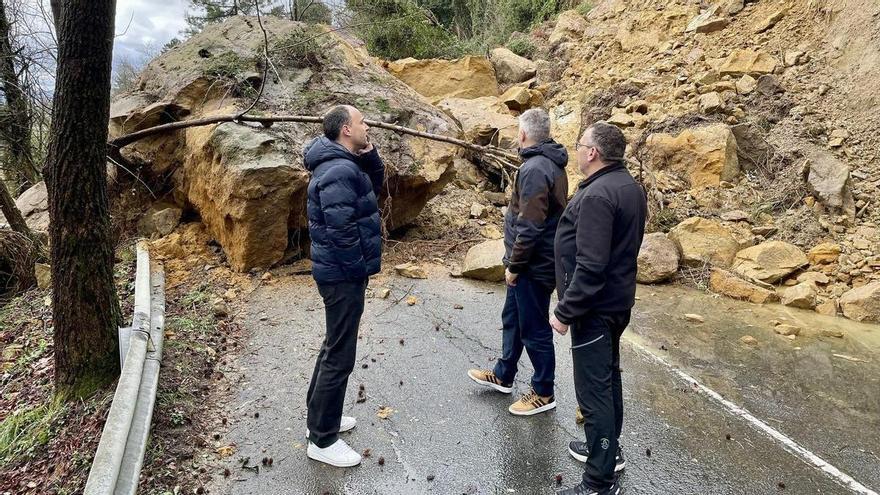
column 735, row 216
column 770, row 261
column 707, row 22
column 621, row 119
column 748, row 340
column 695, row 318
column 491, row 232
column 700, row 240
column 569, row 25
column 43, row 273
column 484, row 120
column 802, row 295
column 828, row 179
column 815, row 278
column 34, row 207
column 793, row 57
column 436, row 79
column 466, row 173
column 510, row 67
column 517, row 98
column 483, row 261
column 832, row 332
column 786, row 329
column 730, row 285
column 411, row 270
column 824, row 254
column 706, row 155
column 220, row 308
column 478, row 210
column 862, row 303
column 768, row 85
column 747, row 62
column 746, row 84
column 159, row 219
column 770, row 21
column 658, row 259
column 246, row 182
column 731, row 6
column 827, row 308
column 711, row 103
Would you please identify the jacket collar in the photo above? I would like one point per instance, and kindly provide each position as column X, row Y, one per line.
column 599, row 173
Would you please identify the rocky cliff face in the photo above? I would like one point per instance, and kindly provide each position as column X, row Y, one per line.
column 247, row 182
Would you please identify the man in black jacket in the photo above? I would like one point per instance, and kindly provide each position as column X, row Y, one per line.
column 537, row 201
column 346, row 233
column 597, row 245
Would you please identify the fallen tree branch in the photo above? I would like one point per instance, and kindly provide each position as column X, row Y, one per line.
column 508, row 158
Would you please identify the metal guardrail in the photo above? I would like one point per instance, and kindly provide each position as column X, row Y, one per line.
column 117, row 464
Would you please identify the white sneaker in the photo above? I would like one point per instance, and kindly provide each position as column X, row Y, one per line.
column 346, row 424
column 339, row 454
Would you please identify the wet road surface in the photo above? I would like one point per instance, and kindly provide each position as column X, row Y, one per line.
column 449, row 436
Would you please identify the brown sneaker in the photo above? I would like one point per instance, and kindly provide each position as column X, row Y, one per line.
column 578, row 416
column 487, row 378
column 532, row 403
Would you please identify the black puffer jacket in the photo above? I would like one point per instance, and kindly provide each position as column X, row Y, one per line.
column 537, row 202
column 597, row 245
column 344, row 221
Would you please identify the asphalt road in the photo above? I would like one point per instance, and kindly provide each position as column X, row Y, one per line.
column 449, row 436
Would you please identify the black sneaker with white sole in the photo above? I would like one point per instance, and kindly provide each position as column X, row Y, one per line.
column 579, row 451
column 583, row 489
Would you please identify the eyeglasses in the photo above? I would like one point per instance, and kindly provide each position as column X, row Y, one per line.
column 578, row 146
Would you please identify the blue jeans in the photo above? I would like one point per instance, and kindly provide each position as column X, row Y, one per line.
column 525, row 320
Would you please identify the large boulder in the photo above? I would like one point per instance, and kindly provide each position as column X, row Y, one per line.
column 862, row 303
column 704, row 155
column 802, row 295
column 658, row 259
column 34, row 207
column 484, row 120
column 247, row 182
column 728, row 284
column 570, row 25
column 435, row 79
column 701, row 241
column 829, row 181
column 510, row 67
column 750, row 62
column 770, row 261
column 484, row 261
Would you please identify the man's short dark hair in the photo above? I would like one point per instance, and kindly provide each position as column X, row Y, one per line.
column 609, row 141
column 337, row 117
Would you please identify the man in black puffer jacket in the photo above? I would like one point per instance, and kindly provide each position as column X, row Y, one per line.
column 597, row 247
column 529, row 228
column 346, row 232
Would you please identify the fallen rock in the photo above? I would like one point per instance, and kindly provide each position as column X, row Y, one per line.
column 814, row 278
column 832, row 332
column 484, row 261
column 711, row 103
column 828, row 179
column 770, row 21
column 700, row 241
column 705, row 155
column 220, row 308
column 570, row 25
column 517, row 98
column 510, row 67
column 411, row 270
column 746, row 85
column 748, row 340
column 695, row 318
column 802, row 295
column 730, row 285
column 658, row 259
column 751, row 62
column 478, row 210
column 621, row 119
column 160, row 219
column 770, row 261
column 793, row 57
column 768, row 85
column 43, row 273
column 824, row 254
column 491, row 232
column 786, row 330
column 436, row 79
column 484, row 120
column 34, row 207
column 827, row 308
column 735, row 216
column 707, row 22
column 862, row 303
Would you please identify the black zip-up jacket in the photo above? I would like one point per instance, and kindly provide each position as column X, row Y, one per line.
column 538, row 199
column 597, row 245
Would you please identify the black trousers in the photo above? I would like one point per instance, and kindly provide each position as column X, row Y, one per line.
column 343, row 307
column 595, row 349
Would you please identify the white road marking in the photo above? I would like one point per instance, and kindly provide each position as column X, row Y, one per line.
column 787, row 443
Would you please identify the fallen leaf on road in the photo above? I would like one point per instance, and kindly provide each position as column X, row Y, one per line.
column 226, row 451
column 411, row 300
column 385, row 412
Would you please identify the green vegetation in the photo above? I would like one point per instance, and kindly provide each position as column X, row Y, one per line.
column 521, row 45
column 299, row 49
column 23, row 432
column 584, row 7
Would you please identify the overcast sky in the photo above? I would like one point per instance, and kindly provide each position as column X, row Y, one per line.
column 146, row 22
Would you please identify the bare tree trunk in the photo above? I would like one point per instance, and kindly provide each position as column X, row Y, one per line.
column 85, row 308
column 17, row 127
column 56, row 12
column 10, row 211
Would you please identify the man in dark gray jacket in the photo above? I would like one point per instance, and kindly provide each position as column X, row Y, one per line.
column 597, row 246
column 537, row 201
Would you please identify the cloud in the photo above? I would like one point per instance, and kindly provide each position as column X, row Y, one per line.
column 144, row 26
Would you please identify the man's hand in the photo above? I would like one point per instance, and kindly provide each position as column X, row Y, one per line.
column 561, row 328
column 367, row 149
column 510, row 278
